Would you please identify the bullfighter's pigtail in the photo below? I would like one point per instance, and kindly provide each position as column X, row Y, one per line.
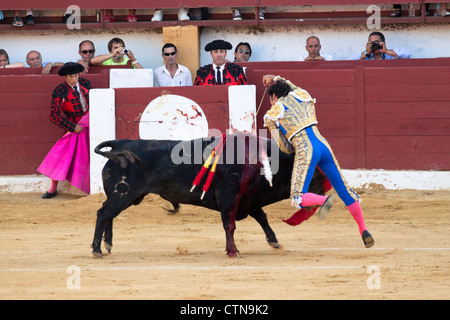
column 215, row 154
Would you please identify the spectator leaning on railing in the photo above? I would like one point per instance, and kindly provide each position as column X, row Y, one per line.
column 34, row 60
column 118, row 55
column 86, row 50
column 4, row 61
column 313, row 48
column 376, row 49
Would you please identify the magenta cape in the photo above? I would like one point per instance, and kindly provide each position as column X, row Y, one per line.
column 69, row 158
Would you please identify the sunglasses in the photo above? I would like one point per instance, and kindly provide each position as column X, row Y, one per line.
column 242, row 51
column 87, row 51
column 169, row 53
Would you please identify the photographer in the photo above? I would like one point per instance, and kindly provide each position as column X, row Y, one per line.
column 118, row 55
column 376, row 49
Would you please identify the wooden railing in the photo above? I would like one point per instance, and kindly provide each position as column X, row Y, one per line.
column 390, row 114
column 174, row 4
column 250, row 17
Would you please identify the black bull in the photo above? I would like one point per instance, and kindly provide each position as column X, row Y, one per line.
column 139, row 167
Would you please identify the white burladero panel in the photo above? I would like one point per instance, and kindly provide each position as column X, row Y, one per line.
column 130, row 78
column 102, row 127
column 242, row 108
column 173, row 117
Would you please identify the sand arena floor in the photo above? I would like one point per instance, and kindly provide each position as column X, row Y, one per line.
column 45, row 251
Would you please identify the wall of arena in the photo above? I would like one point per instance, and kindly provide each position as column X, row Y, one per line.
column 272, row 43
column 391, row 115
column 388, row 121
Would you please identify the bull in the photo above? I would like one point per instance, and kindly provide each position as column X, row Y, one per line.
column 138, row 167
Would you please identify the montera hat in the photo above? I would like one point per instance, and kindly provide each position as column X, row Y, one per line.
column 218, row 44
column 70, row 68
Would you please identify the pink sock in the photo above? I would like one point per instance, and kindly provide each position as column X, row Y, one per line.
column 355, row 210
column 53, row 187
column 312, row 199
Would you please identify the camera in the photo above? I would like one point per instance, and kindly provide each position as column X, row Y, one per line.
column 125, row 51
column 376, row 45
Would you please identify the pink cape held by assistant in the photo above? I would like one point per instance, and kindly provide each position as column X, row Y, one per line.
column 69, row 158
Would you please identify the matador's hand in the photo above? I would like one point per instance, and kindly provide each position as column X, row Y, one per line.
column 268, row 80
column 78, row 128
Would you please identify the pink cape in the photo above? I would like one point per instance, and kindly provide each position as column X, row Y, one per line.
column 306, row 213
column 69, row 158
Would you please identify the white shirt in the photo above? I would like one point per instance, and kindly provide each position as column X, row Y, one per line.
column 222, row 67
column 80, row 94
column 182, row 77
column 327, row 57
column 401, row 54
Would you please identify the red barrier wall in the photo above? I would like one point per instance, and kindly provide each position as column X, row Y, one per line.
column 375, row 114
column 392, row 115
column 407, row 118
column 26, row 133
column 130, row 103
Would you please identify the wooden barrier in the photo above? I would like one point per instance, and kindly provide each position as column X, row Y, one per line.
column 175, row 4
column 407, row 118
column 54, row 71
column 130, row 103
column 376, row 114
column 26, row 133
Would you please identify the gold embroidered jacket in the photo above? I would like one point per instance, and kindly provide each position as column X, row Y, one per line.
column 292, row 113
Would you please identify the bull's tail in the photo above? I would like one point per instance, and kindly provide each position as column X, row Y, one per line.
column 121, row 156
column 111, row 144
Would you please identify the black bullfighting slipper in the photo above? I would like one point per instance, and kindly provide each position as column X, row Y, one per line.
column 368, row 239
column 325, row 208
column 49, row 195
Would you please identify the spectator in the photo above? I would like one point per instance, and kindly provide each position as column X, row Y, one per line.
column 69, row 157
column 34, row 60
column 397, row 11
column 69, row 12
column 220, row 72
column 29, row 20
column 237, row 13
column 444, row 11
column 109, row 16
column 243, row 52
column 132, row 15
column 86, row 50
column 117, row 55
column 313, row 48
column 4, row 61
column 172, row 74
column 182, row 15
column 376, row 49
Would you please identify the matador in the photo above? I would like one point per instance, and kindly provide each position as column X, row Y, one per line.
column 293, row 124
